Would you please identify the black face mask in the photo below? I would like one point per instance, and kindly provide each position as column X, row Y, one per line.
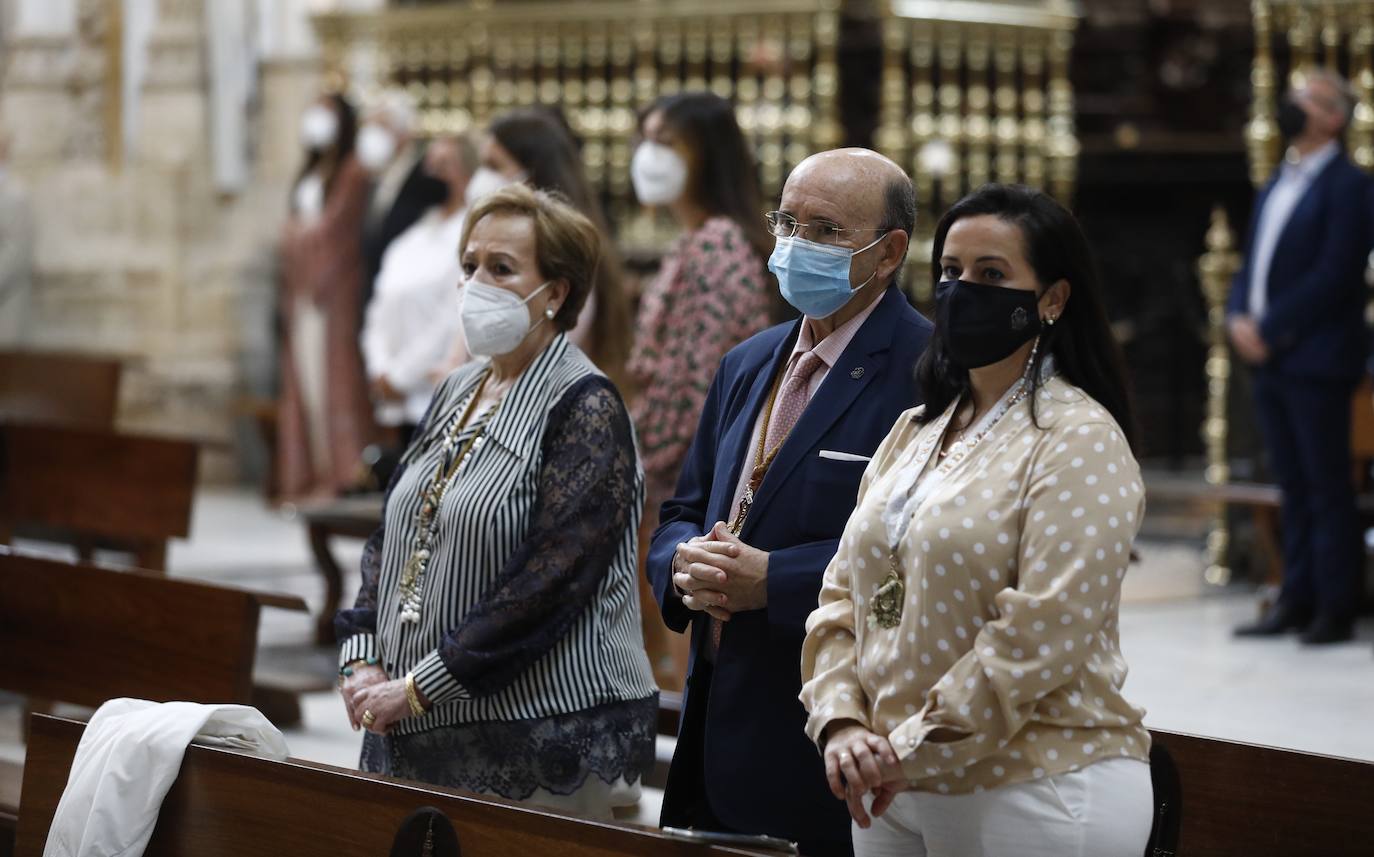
column 984, row 324
column 1292, row 119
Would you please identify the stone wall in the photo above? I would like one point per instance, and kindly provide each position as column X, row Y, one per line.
column 137, row 253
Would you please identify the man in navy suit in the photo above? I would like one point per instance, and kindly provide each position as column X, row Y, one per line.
column 1296, row 314
column 790, row 421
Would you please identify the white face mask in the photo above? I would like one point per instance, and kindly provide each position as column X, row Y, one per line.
column 319, row 127
column 659, row 174
column 375, row 147
column 486, row 181
column 495, row 320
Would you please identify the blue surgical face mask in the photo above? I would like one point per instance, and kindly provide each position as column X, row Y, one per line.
column 813, row 277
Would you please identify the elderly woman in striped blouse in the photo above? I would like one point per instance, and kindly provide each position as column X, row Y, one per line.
column 495, row 645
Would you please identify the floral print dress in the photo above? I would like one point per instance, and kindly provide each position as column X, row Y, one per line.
column 710, row 295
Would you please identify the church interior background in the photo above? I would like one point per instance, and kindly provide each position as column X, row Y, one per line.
column 158, row 141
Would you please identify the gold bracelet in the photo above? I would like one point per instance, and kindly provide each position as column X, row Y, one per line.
column 413, row 697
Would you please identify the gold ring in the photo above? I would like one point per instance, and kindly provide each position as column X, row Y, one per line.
column 369, row 718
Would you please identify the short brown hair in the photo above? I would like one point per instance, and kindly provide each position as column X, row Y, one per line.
column 567, row 246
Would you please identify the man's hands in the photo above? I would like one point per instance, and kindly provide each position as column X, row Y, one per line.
column 720, row 575
column 1249, row 344
column 858, row 761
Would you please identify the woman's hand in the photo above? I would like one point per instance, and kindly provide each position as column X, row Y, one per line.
column 883, row 797
column 363, row 677
column 387, row 702
column 858, row 761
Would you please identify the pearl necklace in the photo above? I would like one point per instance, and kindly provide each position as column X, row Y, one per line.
column 411, row 584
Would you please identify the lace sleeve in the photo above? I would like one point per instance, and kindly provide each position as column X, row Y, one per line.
column 588, row 497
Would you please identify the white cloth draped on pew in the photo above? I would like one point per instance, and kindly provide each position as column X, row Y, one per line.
column 129, row 757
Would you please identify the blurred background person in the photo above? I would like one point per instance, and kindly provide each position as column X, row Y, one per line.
column 324, row 416
column 402, row 188
column 412, row 323
column 1296, row 315
column 534, row 145
column 16, row 252
column 711, row 293
column 494, row 645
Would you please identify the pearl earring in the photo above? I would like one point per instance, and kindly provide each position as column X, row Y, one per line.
column 1050, row 320
column 549, row 313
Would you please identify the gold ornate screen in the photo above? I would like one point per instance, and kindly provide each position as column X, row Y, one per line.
column 1292, row 36
column 976, row 92
column 601, row 62
column 971, row 91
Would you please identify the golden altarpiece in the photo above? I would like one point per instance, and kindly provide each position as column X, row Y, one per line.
column 970, row 91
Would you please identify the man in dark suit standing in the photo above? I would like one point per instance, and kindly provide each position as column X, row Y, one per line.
column 401, row 189
column 790, row 421
column 1296, row 314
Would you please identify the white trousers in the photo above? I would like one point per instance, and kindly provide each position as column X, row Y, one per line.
column 1104, row 810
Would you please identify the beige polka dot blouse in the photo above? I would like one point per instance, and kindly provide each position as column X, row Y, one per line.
column 1003, row 633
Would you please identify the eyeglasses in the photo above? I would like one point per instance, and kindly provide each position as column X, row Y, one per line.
column 820, row 231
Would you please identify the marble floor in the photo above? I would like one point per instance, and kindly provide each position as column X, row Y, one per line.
column 1186, row 669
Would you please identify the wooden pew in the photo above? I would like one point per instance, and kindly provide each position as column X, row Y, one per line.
column 59, row 388
column 1243, row 800
column 84, row 634
column 96, row 488
column 227, row 804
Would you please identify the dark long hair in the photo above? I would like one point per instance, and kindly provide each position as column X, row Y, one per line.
column 547, row 150
column 543, row 143
column 725, row 177
column 1085, row 352
column 334, row 156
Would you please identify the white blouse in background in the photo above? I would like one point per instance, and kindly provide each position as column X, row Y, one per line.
column 309, row 197
column 412, row 325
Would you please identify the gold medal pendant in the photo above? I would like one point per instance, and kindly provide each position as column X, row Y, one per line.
column 888, row 597
column 744, row 503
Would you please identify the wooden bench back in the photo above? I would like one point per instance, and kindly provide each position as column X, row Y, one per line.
column 59, row 388
column 1243, row 800
column 119, row 489
column 82, row 634
column 230, row 805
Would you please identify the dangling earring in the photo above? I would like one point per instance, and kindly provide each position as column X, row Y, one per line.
column 1030, row 362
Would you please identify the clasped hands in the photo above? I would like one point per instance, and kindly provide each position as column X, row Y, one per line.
column 857, row 762
column 1248, row 342
column 720, row 575
column 369, row 689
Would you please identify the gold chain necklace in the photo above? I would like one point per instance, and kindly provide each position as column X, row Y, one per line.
column 427, row 519
column 762, row 460
column 885, row 610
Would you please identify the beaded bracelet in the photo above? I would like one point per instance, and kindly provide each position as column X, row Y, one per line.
column 347, row 669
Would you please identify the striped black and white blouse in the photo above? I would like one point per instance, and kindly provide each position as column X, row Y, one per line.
column 530, row 605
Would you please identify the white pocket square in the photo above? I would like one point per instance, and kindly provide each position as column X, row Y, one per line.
column 843, row 456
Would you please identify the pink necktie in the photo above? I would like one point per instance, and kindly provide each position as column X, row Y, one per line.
column 792, row 399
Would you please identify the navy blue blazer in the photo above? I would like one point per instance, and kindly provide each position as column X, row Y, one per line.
column 1314, row 317
column 765, row 774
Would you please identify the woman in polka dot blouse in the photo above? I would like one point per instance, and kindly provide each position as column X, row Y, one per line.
column 963, row 670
